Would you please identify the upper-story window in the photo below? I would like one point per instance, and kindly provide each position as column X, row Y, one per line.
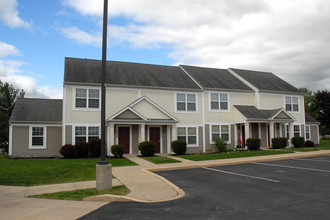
column 219, row 101
column 292, row 103
column 185, row 102
column 87, row 98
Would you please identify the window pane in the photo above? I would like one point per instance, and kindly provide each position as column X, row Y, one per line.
column 93, row 103
column 215, row 136
column 93, row 93
column 214, row 97
column 225, row 136
column 307, row 129
column 295, row 108
column 181, row 97
column 80, row 139
column 223, row 105
column 37, row 131
column 81, row 93
column 37, row 141
column 191, row 140
column 191, row 107
column 288, row 107
column 287, row 100
column 224, row 128
column 295, row 100
column 80, row 130
column 191, row 98
column 80, row 103
column 93, row 131
column 181, row 106
column 215, row 129
column 191, row 131
column 223, row 98
column 182, row 138
column 214, row 105
column 181, row 131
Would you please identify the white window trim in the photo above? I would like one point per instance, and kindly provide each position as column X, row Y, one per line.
column 86, row 126
column 292, row 104
column 299, row 129
column 210, row 131
column 44, row 145
column 87, row 99
column 189, row 126
column 309, row 127
column 219, row 110
column 186, row 111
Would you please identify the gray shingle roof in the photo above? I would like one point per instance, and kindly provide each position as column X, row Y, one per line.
column 310, row 119
column 266, row 81
column 252, row 113
column 127, row 74
column 211, row 78
column 37, row 110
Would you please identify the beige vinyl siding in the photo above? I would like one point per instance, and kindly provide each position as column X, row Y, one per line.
column 199, row 149
column 68, row 134
column 263, row 141
column 135, row 139
column 21, row 142
column 314, row 134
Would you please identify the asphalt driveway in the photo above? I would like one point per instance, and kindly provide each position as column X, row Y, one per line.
column 286, row 189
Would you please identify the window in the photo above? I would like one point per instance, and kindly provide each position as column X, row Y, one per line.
column 87, row 98
column 308, row 132
column 186, row 102
column 85, row 133
column 37, row 136
column 292, row 103
column 219, row 101
column 296, row 130
column 187, row 134
column 218, row 131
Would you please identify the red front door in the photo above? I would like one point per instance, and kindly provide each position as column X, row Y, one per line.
column 123, row 138
column 155, row 137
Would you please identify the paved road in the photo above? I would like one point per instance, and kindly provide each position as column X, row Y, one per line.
column 287, row 189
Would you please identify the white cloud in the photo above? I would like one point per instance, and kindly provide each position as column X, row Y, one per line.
column 82, row 37
column 289, row 38
column 10, row 15
column 8, row 49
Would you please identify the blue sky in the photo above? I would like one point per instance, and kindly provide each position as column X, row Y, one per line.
column 290, row 39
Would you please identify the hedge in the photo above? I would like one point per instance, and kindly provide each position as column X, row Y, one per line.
column 117, row 150
column 297, row 141
column 179, row 147
column 279, row 142
column 147, row 148
column 253, row 143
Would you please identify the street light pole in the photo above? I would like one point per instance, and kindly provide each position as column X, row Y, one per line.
column 103, row 88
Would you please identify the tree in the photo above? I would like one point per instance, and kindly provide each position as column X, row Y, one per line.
column 322, row 103
column 310, row 102
column 8, row 97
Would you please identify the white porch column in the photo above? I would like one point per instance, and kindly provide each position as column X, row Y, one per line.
column 111, row 135
column 247, row 131
column 173, row 136
column 271, row 131
column 291, row 133
column 142, row 132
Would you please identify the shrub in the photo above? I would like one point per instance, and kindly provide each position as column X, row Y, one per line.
column 253, row 143
column 147, row 148
column 279, row 142
column 309, row 143
column 81, row 149
column 297, row 141
column 95, row 147
column 117, row 150
column 68, row 151
column 221, row 144
column 179, row 147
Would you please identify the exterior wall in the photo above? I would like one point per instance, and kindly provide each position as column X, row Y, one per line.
column 68, row 134
column 135, row 139
column 254, row 130
column 198, row 149
column 314, row 134
column 263, row 132
column 21, row 141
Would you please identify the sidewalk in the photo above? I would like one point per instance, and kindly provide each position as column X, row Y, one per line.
column 145, row 186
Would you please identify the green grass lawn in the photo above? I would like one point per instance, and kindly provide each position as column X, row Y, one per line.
column 83, row 193
column 30, row 172
column 161, row 160
column 225, row 155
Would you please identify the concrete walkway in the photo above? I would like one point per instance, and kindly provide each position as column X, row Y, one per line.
column 145, row 186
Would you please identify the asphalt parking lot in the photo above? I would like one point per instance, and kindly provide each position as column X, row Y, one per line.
column 285, row 189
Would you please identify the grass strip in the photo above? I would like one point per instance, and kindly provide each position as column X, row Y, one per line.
column 31, row 172
column 83, row 193
column 161, row 160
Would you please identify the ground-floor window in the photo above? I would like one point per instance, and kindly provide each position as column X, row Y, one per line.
column 220, row 131
column 308, row 132
column 187, row 134
column 296, row 130
column 86, row 133
column 37, row 137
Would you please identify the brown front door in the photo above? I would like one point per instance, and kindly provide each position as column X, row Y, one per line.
column 155, row 137
column 123, row 138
